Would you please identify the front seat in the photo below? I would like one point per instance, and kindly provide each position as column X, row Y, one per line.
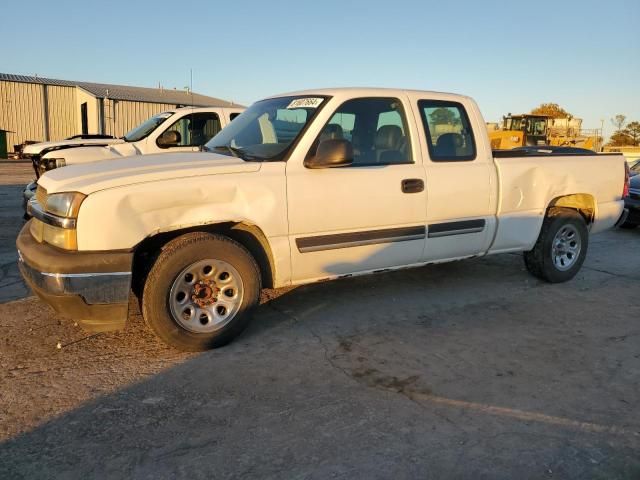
column 198, row 137
column 388, row 144
column 448, row 144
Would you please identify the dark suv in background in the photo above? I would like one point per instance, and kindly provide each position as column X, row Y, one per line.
column 632, row 201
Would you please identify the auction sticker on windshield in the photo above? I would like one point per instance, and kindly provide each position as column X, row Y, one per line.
column 310, row 102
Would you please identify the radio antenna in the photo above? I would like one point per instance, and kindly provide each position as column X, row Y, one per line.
column 191, row 85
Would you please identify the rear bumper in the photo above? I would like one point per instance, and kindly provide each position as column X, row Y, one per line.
column 607, row 215
column 90, row 288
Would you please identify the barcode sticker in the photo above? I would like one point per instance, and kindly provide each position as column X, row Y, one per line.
column 305, row 103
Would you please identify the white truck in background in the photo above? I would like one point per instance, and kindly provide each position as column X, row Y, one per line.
column 183, row 129
column 304, row 187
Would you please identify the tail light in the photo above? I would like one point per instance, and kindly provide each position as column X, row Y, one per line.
column 625, row 189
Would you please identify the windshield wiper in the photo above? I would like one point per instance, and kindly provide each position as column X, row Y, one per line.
column 235, row 151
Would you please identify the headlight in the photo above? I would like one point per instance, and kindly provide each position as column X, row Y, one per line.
column 64, row 204
column 52, row 163
column 47, row 164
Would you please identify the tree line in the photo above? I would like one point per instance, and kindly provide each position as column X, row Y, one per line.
column 626, row 134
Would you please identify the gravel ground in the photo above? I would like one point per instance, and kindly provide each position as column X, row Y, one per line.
column 465, row 370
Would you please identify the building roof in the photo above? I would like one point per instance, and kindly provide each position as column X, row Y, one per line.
column 125, row 92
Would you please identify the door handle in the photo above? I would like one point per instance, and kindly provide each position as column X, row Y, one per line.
column 412, row 185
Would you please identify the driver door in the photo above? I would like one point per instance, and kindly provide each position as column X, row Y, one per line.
column 368, row 216
column 193, row 130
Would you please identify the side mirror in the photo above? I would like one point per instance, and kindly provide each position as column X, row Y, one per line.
column 331, row 153
column 170, row 138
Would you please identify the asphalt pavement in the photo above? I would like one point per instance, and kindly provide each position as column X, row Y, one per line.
column 471, row 369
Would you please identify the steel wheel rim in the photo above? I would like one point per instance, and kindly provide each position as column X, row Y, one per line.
column 206, row 295
column 566, row 247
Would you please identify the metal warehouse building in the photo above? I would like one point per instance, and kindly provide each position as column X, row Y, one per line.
column 42, row 109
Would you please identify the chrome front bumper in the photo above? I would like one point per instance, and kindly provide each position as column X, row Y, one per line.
column 94, row 288
column 27, row 194
column 91, row 288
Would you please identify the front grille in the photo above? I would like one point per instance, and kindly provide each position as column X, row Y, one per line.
column 41, row 196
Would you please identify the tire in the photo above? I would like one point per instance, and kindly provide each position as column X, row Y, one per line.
column 565, row 228
column 628, row 225
column 201, row 291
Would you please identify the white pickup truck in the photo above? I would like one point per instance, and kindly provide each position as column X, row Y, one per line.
column 184, row 129
column 304, row 187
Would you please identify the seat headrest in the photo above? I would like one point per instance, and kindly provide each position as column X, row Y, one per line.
column 448, row 143
column 197, row 124
column 331, row 131
column 454, row 140
column 388, row 137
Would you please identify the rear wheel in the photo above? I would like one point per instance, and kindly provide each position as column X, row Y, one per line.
column 200, row 292
column 561, row 247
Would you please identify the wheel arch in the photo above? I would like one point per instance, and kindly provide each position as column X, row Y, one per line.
column 248, row 235
column 583, row 203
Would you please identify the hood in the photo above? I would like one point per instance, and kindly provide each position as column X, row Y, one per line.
column 38, row 148
column 92, row 177
column 634, row 182
column 125, row 149
column 95, row 153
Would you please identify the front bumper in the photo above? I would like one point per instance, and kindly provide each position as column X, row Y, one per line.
column 27, row 194
column 88, row 287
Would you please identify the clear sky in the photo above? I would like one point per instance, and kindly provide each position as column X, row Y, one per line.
column 510, row 56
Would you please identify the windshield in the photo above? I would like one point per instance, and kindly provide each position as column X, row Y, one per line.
column 146, row 127
column 532, row 125
column 536, row 126
column 267, row 129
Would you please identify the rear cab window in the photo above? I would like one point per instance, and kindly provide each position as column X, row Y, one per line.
column 448, row 131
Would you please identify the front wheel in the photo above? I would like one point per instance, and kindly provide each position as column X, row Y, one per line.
column 561, row 247
column 200, row 291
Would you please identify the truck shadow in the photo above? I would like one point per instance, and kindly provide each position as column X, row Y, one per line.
column 445, row 285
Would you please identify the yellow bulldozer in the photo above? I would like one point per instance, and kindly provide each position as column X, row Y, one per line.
column 532, row 130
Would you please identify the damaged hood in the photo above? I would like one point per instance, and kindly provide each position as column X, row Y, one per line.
column 38, row 148
column 95, row 153
column 92, row 177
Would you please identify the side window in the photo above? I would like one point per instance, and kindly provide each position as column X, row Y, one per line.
column 448, row 131
column 287, row 124
column 232, row 116
column 376, row 128
column 196, row 129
